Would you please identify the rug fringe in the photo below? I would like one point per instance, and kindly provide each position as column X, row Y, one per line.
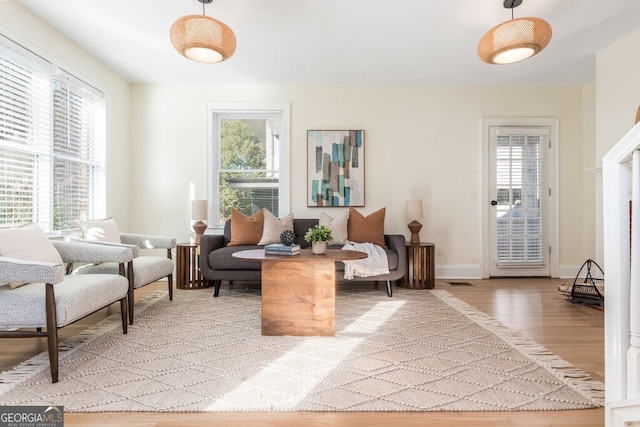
column 573, row 377
column 40, row 362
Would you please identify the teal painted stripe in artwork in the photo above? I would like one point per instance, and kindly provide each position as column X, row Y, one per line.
column 337, row 154
column 347, row 196
column 315, row 186
column 355, row 161
column 326, row 192
column 341, row 185
column 359, row 137
column 318, row 159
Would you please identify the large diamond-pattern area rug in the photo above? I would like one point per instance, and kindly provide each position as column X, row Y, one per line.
column 422, row 350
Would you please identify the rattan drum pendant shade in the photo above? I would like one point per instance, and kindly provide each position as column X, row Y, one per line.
column 203, row 39
column 514, row 40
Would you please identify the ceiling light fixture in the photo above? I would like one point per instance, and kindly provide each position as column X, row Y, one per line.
column 514, row 40
column 203, row 39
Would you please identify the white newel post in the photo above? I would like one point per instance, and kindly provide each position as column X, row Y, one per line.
column 633, row 354
column 622, row 280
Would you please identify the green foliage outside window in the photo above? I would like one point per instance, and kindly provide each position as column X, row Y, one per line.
column 240, row 150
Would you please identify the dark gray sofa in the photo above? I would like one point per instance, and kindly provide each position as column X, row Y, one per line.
column 218, row 264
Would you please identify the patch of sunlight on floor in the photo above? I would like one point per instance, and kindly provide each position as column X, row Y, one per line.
column 366, row 324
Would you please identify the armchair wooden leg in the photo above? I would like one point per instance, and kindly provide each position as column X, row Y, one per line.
column 389, row 289
column 130, row 294
column 124, row 314
column 170, row 280
column 216, row 284
column 52, row 332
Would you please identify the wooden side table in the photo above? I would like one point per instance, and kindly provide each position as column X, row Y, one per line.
column 188, row 267
column 421, row 266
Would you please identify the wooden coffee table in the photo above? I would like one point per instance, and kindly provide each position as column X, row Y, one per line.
column 299, row 291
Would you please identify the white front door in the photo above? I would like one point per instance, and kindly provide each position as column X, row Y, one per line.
column 519, row 202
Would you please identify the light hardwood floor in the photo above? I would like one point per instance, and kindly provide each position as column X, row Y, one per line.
column 533, row 306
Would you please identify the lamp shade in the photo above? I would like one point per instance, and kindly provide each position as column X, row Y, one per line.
column 203, row 39
column 414, row 210
column 514, row 40
column 198, row 210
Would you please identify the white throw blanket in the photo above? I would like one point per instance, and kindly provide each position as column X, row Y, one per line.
column 375, row 263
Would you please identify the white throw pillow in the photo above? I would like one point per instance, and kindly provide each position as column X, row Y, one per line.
column 101, row 230
column 338, row 227
column 28, row 243
column 273, row 227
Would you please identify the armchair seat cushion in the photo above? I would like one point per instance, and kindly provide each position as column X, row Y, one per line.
column 76, row 296
column 147, row 269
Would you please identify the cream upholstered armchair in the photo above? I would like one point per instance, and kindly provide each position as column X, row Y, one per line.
column 144, row 269
column 37, row 298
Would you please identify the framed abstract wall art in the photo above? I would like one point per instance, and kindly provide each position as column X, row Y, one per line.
column 335, row 168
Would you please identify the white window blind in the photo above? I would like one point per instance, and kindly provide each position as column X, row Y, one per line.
column 521, row 196
column 52, row 143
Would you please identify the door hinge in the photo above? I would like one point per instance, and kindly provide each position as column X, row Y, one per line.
column 549, row 191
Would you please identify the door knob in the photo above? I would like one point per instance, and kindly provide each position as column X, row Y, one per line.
column 494, row 202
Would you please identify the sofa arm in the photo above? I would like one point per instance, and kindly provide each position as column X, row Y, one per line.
column 146, row 241
column 20, row 271
column 208, row 244
column 397, row 243
column 89, row 252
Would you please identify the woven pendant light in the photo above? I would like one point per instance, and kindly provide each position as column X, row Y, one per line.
column 202, row 38
column 514, row 40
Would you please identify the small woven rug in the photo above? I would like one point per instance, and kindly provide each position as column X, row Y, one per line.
column 422, row 350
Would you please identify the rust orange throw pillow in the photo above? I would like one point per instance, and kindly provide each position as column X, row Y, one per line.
column 246, row 230
column 362, row 229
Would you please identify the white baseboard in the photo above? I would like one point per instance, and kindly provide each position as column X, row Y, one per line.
column 469, row 271
column 568, row 271
column 459, row 272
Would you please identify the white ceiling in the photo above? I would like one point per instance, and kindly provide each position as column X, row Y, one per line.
column 343, row 41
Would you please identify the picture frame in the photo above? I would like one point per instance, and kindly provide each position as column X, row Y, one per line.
column 335, row 168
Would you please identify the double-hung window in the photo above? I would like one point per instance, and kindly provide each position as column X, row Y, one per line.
column 249, row 157
column 52, row 143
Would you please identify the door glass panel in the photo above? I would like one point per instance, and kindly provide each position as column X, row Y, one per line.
column 519, row 161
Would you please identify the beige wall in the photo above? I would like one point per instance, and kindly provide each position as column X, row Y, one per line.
column 21, row 26
column 421, row 142
column 617, row 101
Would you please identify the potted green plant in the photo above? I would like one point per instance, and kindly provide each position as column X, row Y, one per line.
column 318, row 236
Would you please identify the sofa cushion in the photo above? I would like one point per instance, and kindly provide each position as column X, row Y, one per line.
column 246, row 230
column 273, row 227
column 223, row 258
column 101, row 230
column 370, row 228
column 300, row 227
column 337, row 225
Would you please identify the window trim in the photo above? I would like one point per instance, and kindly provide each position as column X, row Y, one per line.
column 284, row 179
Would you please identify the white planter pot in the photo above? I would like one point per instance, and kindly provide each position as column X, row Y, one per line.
column 319, row 248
